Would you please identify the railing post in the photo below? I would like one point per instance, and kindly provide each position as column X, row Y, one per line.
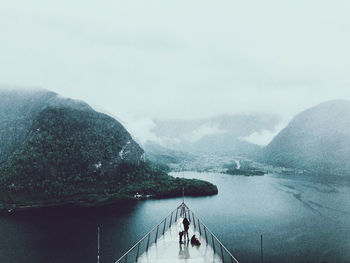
column 205, row 232
column 171, row 218
column 138, row 250
column 261, row 249
column 149, row 235
column 126, row 258
column 212, row 240
column 194, row 222
column 177, row 210
column 155, row 240
column 164, row 226
column 98, row 244
column 199, row 227
column 222, row 254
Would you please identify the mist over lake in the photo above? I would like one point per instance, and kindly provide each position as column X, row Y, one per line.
column 300, row 220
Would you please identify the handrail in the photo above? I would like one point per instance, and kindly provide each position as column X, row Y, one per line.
column 221, row 245
column 148, row 234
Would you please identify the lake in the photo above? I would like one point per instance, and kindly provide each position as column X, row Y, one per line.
column 300, row 220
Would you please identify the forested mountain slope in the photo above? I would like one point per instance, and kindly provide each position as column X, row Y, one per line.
column 56, row 150
column 317, row 139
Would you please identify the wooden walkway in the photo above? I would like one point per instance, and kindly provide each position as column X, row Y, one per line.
column 168, row 249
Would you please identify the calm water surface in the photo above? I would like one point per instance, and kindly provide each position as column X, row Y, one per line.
column 301, row 221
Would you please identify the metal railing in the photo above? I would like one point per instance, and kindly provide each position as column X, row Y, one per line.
column 133, row 254
column 219, row 249
column 142, row 246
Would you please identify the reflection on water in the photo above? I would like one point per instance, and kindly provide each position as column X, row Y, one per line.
column 301, row 221
column 184, row 252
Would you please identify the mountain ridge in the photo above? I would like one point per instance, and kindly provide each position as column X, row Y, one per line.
column 317, row 139
column 58, row 150
column 221, row 134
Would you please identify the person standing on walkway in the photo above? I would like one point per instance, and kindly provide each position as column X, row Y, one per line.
column 186, row 224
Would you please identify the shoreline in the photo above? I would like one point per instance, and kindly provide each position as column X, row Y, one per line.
column 13, row 208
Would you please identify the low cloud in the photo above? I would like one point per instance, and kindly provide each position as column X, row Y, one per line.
column 201, row 132
column 258, row 129
column 264, row 137
column 141, row 130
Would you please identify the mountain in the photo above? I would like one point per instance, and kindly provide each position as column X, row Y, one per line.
column 224, row 144
column 317, row 140
column 30, row 118
column 223, row 134
column 55, row 150
column 164, row 156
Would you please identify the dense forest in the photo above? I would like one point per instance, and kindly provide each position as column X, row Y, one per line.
column 73, row 154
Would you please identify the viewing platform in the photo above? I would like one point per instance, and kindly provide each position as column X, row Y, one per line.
column 168, row 249
column 162, row 244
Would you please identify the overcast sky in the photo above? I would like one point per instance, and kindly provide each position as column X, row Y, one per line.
column 180, row 59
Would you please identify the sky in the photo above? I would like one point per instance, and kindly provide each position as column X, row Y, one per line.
column 139, row 60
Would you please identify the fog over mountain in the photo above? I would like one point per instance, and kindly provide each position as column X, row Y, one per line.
column 223, row 134
column 101, row 100
column 318, row 139
column 179, row 60
column 18, row 110
column 56, row 150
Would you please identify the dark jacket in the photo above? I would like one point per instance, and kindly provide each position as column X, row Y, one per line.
column 186, row 223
